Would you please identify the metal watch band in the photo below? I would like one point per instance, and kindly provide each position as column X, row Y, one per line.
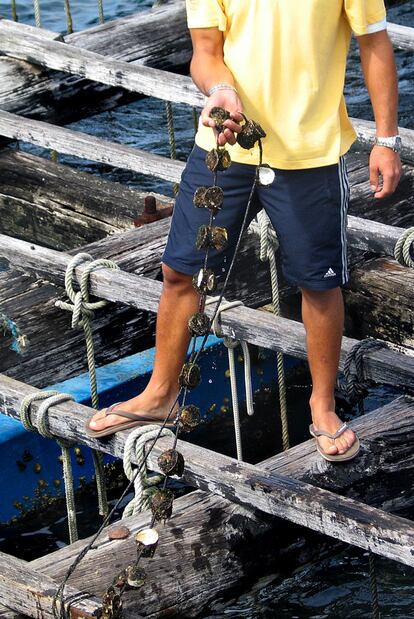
column 393, row 142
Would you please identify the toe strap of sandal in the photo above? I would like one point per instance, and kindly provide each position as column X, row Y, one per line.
column 337, row 434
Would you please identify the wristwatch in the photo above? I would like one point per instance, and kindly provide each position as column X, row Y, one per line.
column 393, row 142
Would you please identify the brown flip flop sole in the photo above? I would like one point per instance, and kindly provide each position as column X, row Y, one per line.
column 124, row 426
column 348, row 455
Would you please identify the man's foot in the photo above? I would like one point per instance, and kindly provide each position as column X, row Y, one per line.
column 324, row 418
column 144, row 404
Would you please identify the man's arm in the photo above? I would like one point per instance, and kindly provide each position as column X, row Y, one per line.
column 378, row 65
column 207, row 70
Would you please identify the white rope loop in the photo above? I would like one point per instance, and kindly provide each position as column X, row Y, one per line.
column 135, row 450
column 402, row 250
column 231, row 344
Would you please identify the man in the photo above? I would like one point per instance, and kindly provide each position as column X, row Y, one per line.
column 281, row 62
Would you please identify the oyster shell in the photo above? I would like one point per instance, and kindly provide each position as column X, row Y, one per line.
column 199, row 324
column 251, row 133
column 212, row 236
column 136, row 576
column 219, row 115
column 189, row 418
column 218, row 160
column 209, row 197
column 190, row 376
column 205, row 281
column 171, row 462
column 161, row 502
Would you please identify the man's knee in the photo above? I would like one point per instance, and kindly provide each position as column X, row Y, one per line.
column 321, row 297
column 175, row 279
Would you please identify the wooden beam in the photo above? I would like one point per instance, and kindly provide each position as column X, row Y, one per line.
column 22, row 42
column 366, row 132
column 243, row 323
column 309, row 506
column 82, row 145
column 401, row 37
column 27, row 591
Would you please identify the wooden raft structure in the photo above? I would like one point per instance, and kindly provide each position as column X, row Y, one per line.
column 232, row 498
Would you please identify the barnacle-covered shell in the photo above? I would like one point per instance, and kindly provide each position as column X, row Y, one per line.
column 212, row 236
column 190, row 376
column 205, row 281
column 219, row 115
column 161, row 504
column 189, row 418
column 199, row 324
column 218, row 160
column 251, row 133
column 171, row 462
column 136, row 576
column 209, row 197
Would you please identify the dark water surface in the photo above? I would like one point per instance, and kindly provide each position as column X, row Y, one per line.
column 334, row 587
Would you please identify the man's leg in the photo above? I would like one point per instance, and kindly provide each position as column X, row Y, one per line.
column 323, row 317
column 178, row 302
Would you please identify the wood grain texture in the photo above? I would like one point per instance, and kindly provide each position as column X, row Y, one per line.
column 317, row 509
column 29, row 592
column 157, row 38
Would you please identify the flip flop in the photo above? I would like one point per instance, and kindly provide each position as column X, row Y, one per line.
column 348, row 455
column 135, row 421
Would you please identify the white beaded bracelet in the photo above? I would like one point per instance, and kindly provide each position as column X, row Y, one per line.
column 223, row 86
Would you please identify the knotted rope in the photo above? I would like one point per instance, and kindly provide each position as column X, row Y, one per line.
column 231, row 344
column 82, row 315
column 269, row 245
column 51, row 398
column 402, row 250
column 356, row 384
column 135, row 450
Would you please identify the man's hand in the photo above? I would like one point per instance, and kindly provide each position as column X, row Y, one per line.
column 386, row 163
column 228, row 100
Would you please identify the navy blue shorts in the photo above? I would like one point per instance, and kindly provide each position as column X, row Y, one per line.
column 308, row 210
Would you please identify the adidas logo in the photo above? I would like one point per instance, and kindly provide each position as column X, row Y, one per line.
column 330, row 273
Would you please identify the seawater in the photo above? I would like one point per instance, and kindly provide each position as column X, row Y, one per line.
column 333, row 587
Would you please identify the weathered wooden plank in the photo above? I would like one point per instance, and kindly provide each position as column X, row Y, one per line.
column 21, row 42
column 157, row 37
column 366, row 132
column 85, row 146
column 314, row 508
column 27, row 591
column 244, row 323
column 60, row 207
column 236, row 541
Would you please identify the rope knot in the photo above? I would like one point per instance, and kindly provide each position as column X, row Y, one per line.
column 404, row 248
column 135, row 450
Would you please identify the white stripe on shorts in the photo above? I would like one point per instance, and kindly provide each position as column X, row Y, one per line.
column 344, row 185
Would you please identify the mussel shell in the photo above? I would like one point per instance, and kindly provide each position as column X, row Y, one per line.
column 218, row 160
column 205, row 281
column 190, row 376
column 189, row 418
column 251, row 133
column 199, row 324
column 219, row 115
column 136, row 576
column 161, row 502
column 171, row 462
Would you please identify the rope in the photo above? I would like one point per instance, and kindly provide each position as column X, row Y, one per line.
column 82, row 315
column 231, row 344
column 36, row 6
column 69, row 21
column 20, row 342
column 101, row 12
column 171, row 137
column 14, row 10
column 373, row 586
column 135, row 449
column 51, row 398
column 402, row 250
column 269, row 244
column 356, row 385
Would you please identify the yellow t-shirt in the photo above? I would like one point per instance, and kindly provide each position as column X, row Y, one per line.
column 288, row 59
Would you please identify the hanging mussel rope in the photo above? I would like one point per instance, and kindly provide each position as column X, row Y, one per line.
column 171, row 462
